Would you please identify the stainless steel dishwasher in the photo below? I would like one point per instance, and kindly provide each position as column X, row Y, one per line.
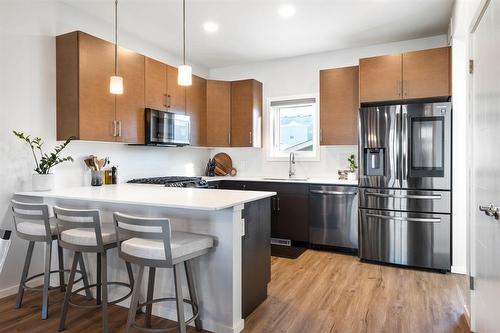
column 334, row 216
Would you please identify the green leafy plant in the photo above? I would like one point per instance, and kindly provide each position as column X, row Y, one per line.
column 352, row 163
column 44, row 162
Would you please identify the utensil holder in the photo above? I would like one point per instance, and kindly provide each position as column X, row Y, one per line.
column 96, row 177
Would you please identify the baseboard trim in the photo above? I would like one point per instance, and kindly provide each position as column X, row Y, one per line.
column 459, row 269
column 13, row 289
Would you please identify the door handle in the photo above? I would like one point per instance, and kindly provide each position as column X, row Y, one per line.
column 491, row 210
column 119, row 128
column 277, row 204
column 250, row 137
column 405, row 219
column 419, row 197
column 332, row 192
column 114, row 128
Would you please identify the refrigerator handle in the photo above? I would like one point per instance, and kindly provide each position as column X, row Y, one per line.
column 405, row 139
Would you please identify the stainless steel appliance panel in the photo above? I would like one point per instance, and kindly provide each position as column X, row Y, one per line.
column 167, row 128
column 426, row 146
column 407, row 200
column 413, row 239
column 334, row 211
column 378, row 143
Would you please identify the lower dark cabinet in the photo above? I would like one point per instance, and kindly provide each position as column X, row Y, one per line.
column 289, row 208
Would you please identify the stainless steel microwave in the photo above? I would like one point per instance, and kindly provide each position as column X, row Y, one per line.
column 167, row 128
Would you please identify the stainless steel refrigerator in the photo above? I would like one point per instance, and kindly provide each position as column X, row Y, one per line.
column 405, row 184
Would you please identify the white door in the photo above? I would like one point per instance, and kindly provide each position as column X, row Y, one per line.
column 486, row 170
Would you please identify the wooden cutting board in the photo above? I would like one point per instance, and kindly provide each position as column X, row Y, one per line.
column 223, row 164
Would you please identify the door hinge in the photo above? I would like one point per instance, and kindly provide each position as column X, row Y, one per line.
column 471, row 282
column 471, row 66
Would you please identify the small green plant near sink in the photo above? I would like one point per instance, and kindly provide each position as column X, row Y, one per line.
column 351, row 175
column 43, row 179
column 352, row 163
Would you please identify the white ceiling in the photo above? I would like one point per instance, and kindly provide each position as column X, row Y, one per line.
column 251, row 30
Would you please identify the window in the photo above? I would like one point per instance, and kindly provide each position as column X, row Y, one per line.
column 294, row 128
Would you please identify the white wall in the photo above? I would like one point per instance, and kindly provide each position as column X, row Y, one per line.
column 28, row 103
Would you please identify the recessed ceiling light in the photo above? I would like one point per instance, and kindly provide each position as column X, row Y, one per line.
column 286, row 10
column 210, row 27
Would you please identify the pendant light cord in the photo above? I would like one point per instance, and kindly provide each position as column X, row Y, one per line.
column 116, row 37
column 184, row 31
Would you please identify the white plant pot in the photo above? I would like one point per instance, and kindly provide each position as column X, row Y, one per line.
column 43, row 182
column 352, row 176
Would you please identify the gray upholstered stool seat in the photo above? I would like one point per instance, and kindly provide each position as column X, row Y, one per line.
column 182, row 244
column 87, row 237
column 35, row 229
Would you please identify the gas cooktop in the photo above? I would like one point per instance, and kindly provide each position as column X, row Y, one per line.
column 172, row 181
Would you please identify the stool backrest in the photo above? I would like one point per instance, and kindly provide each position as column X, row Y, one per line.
column 145, row 228
column 33, row 213
column 81, row 219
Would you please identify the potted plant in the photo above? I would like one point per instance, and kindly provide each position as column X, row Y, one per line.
column 43, row 179
column 352, row 175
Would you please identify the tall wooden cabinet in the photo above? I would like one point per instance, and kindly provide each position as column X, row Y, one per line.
column 339, row 103
column 176, row 94
column 246, row 113
column 218, row 113
column 410, row 75
column 196, row 106
column 85, row 108
column 155, row 84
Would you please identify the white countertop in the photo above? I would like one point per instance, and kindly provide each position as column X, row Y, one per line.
column 326, row 181
column 154, row 195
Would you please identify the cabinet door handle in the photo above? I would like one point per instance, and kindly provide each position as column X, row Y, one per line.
column 278, row 204
column 406, row 88
column 320, row 135
column 229, row 138
column 169, row 101
column 114, row 127
column 250, row 137
column 119, row 128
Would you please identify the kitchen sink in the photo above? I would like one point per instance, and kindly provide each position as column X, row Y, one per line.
column 287, row 179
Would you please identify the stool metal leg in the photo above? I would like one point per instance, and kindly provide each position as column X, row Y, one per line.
column 83, row 269
column 192, row 293
column 60, row 258
column 104, row 292
column 64, row 311
column 151, row 287
column 180, row 303
column 27, row 261
column 135, row 299
column 98, row 279
column 46, row 280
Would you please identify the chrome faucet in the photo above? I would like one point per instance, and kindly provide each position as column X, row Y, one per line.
column 291, row 165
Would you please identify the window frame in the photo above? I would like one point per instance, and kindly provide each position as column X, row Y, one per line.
column 272, row 154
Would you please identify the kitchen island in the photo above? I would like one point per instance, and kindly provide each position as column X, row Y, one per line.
column 231, row 279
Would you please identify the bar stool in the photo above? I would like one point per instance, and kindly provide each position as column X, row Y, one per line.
column 151, row 243
column 27, row 218
column 84, row 233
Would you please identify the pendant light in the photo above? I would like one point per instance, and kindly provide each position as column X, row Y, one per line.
column 115, row 81
column 184, row 76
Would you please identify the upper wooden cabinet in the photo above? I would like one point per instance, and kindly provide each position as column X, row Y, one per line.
column 411, row 75
column 427, row 73
column 130, row 105
column 218, row 113
column 339, row 103
column 246, row 113
column 85, row 107
column 176, row 94
column 196, row 107
column 380, row 78
column 155, row 84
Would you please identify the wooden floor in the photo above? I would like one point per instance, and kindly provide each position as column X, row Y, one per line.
column 318, row 292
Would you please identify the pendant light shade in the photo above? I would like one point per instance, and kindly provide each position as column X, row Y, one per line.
column 185, row 72
column 184, row 77
column 115, row 81
column 116, row 85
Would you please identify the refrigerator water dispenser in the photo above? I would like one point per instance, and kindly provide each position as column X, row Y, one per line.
column 374, row 159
